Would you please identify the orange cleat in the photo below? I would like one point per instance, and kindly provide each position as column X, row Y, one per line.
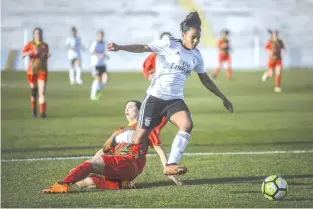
column 174, row 169
column 56, row 188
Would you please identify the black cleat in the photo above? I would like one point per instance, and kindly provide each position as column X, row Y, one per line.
column 35, row 113
column 43, row 115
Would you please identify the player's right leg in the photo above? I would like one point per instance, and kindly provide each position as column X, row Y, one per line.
column 78, row 70
column 219, row 66
column 278, row 72
column 269, row 72
column 72, row 71
column 228, row 67
column 42, row 82
column 95, row 86
column 32, row 81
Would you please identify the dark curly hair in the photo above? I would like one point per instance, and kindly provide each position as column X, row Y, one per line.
column 192, row 20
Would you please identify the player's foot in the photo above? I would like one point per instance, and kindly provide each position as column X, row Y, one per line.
column 264, row 77
column 43, row 115
column 214, row 76
column 277, row 89
column 79, row 82
column 35, row 113
column 128, row 184
column 174, row 169
column 72, row 82
column 176, row 180
column 56, row 188
column 98, row 95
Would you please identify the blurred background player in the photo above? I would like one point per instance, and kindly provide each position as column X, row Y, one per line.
column 37, row 72
column 116, row 165
column 74, row 46
column 149, row 63
column 99, row 67
column 223, row 45
column 274, row 47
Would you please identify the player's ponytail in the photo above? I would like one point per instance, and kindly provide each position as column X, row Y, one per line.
column 192, row 20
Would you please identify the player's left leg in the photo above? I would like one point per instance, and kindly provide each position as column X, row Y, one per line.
column 178, row 113
column 278, row 74
column 269, row 72
column 95, row 86
column 228, row 67
column 42, row 81
column 78, row 71
column 219, row 66
column 32, row 80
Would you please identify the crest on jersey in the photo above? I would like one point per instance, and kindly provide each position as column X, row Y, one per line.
column 147, row 121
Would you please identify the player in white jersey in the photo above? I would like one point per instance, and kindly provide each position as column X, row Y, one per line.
column 74, row 45
column 99, row 68
column 176, row 59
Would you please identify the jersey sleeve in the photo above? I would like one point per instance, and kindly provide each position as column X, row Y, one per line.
column 200, row 64
column 268, row 45
column 92, row 47
column 160, row 46
column 154, row 139
column 26, row 47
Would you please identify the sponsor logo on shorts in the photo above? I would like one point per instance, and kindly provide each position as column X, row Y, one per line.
column 147, row 121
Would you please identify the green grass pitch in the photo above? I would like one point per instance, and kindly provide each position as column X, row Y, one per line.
column 76, row 126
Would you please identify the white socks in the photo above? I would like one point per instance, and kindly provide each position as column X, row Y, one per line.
column 71, row 74
column 76, row 79
column 178, row 147
column 96, row 86
column 124, row 137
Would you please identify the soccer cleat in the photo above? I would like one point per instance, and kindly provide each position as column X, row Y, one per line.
column 43, row 115
column 98, row 95
column 35, row 113
column 79, row 82
column 277, row 89
column 264, row 77
column 127, row 184
column 174, row 169
column 56, row 188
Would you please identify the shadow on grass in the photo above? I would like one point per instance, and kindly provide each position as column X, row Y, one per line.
column 226, row 180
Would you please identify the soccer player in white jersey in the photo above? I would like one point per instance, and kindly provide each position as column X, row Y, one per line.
column 176, row 59
column 99, row 68
column 74, row 45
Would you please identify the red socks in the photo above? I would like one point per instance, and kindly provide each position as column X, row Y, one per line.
column 79, row 173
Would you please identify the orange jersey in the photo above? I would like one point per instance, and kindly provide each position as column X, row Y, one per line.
column 276, row 48
column 137, row 152
column 149, row 65
column 223, row 46
column 39, row 53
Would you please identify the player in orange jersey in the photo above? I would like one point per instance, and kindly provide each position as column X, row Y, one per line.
column 223, row 56
column 116, row 165
column 37, row 72
column 274, row 47
column 149, row 63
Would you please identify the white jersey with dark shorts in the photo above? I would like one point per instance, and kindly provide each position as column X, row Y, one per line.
column 74, row 44
column 98, row 62
column 165, row 95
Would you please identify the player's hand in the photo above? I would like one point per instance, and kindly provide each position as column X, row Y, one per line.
column 176, row 180
column 228, row 105
column 113, row 47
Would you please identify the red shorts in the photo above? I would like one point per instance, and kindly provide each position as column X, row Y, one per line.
column 159, row 127
column 223, row 57
column 119, row 167
column 102, row 183
column 33, row 78
column 272, row 64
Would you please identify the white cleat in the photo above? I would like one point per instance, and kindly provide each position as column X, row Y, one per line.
column 79, row 82
column 264, row 77
column 277, row 89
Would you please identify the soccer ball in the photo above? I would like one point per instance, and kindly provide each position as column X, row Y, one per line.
column 274, row 188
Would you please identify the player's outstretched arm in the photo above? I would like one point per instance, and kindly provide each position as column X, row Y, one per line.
column 208, row 83
column 135, row 48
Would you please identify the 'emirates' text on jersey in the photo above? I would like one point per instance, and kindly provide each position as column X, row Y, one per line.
column 173, row 65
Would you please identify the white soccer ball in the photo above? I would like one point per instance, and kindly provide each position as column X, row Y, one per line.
column 274, row 188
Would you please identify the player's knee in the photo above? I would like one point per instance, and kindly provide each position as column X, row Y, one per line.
column 34, row 92
column 186, row 126
column 97, row 165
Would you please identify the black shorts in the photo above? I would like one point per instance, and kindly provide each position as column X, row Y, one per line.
column 99, row 70
column 72, row 61
column 154, row 109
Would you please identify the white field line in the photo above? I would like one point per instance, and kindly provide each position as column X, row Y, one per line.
column 186, row 154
